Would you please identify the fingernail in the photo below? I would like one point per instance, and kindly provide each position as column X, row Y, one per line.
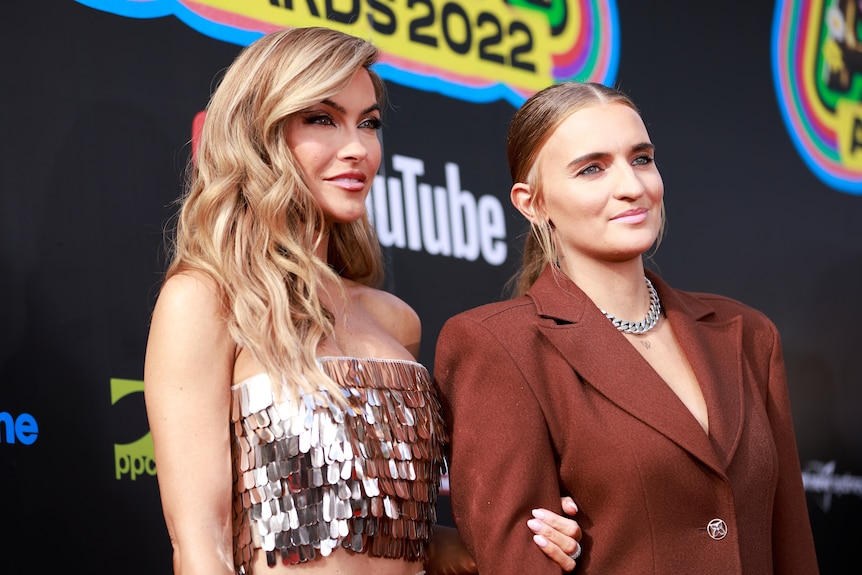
column 540, row 541
column 534, row 525
column 538, row 514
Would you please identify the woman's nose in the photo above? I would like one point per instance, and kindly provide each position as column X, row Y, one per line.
column 354, row 146
column 630, row 184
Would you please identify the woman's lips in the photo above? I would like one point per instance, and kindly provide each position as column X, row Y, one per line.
column 635, row 216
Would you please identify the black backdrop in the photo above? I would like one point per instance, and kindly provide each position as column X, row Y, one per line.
column 95, row 122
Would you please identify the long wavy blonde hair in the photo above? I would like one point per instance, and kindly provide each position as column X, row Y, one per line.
column 248, row 218
column 531, row 126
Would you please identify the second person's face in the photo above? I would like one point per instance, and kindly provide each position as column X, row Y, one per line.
column 602, row 190
column 335, row 143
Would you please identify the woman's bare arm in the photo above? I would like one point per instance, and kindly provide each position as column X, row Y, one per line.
column 187, row 378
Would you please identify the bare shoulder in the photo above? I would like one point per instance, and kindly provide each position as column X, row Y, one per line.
column 189, row 303
column 391, row 313
column 189, row 342
column 188, row 318
column 189, row 292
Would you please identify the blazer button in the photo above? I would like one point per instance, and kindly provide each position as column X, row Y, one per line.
column 717, row 529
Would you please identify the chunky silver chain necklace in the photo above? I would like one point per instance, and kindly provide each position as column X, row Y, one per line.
column 648, row 322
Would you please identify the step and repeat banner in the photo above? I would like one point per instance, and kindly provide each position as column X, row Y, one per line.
column 754, row 109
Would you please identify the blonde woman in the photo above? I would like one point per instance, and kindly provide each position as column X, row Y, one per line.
column 294, row 430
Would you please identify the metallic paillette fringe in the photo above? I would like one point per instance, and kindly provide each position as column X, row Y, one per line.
column 310, row 476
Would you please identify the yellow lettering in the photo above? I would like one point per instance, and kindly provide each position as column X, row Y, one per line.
column 472, row 42
column 848, row 120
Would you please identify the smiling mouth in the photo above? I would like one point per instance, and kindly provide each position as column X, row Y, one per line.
column 631, row 217
column 351, row 176
column 349, row 183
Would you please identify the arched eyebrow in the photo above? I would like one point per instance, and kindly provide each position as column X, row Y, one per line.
column 587, row 158
column 341, row 109
column 644, row 147
column 592, row 156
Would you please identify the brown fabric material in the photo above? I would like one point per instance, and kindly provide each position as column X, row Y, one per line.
column 542, row 396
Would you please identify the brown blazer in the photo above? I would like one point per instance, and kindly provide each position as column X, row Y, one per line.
column 543, row 396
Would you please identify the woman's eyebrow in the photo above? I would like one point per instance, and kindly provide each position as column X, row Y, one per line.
column 587, row 158
column 342, row 110
column 592, row 156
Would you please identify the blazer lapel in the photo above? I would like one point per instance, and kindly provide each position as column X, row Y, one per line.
column 714, row 351
column 606, row 360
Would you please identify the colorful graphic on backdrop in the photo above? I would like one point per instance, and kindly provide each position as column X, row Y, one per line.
column 817, row 70
column 133, row 459
column 472, row 50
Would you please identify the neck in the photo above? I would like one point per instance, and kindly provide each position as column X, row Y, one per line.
column 647, row 323
column 619, row 287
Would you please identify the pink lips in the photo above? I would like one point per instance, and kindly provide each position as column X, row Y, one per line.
column 353, row 181
column 634, row 216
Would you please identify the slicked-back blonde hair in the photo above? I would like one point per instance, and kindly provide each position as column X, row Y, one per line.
column 248, row 218
column 531, row 126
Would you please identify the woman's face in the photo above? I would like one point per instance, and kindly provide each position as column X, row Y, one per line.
column 602, row 190
column 336, row 145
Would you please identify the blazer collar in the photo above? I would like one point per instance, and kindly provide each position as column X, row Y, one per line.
column 606, row 360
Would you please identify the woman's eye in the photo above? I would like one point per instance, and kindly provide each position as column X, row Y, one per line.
column 372, row 123
column 321, row 119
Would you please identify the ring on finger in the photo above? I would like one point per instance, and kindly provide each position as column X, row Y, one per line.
column 576, row 553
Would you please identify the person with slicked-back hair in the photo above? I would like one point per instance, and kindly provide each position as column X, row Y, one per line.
column 664, row 413
column 294, row 430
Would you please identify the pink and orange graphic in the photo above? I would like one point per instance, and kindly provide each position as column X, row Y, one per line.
column 472, row 50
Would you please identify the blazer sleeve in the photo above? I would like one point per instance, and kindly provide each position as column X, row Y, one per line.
column 793, row 543
column 501, row 460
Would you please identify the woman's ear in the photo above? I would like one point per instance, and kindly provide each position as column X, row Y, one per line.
column 524, row 201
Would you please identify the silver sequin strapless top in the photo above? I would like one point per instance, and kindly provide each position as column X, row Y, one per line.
column 310, row 477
